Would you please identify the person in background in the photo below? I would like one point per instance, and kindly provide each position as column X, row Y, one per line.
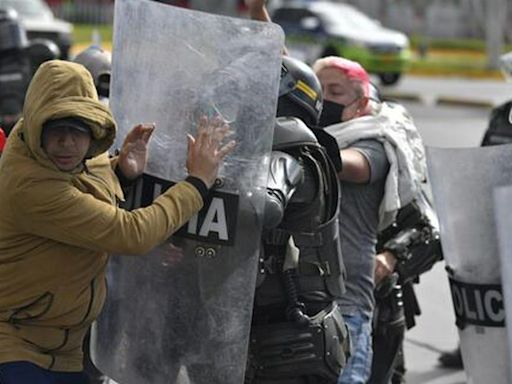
column 99, row 63
column 19, row 59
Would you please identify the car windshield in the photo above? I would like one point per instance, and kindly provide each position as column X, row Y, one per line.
column 25, row 8
column 345, row 17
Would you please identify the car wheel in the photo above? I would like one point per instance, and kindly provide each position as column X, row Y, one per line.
column 389, row 78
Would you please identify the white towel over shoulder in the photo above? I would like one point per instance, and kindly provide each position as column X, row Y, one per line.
column 395, row 129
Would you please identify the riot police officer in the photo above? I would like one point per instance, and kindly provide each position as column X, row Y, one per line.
column 19, row 60
column 297, row 333
column 99, row 63
column 14, row 68
column 499, row 131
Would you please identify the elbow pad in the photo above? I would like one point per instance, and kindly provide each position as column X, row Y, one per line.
column 284, row 176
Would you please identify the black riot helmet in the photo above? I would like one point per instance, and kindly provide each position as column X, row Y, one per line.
column 99, row 63
column 12, row 34
column 41, row 50
column 300, row 92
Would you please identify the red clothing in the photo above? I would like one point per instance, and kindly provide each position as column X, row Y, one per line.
column 2, row 140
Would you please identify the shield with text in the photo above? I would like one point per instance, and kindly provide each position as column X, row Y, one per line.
column 182, row 313
column 463, row 181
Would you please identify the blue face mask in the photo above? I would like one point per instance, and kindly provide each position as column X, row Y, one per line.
column 331, row 113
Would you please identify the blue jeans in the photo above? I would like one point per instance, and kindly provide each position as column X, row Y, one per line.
column 358, row 368
column 23, row 372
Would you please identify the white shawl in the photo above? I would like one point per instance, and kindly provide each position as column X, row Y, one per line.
column 395, row 129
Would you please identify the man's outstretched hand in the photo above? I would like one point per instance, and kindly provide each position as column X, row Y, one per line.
column 134, row 152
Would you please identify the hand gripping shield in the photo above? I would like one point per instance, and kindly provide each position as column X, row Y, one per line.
column 182, row 313
column 463, row 181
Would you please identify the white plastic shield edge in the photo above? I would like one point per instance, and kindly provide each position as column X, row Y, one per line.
column 462, row 183
column 171, row 65
column 503, row 209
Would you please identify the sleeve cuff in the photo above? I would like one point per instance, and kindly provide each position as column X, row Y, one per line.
column 123, row 180
column 199, row 185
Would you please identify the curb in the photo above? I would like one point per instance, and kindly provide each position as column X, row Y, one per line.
column 439, row 100
column 461, row 102
column 402, row 96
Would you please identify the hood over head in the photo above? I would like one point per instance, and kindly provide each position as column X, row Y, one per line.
column 62, row 89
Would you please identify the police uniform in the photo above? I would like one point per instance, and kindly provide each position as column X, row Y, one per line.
column 297, row 333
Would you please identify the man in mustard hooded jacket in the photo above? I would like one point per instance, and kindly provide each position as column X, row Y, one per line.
column 59, row 219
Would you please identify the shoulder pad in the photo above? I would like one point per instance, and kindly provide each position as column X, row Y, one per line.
column 290, row 132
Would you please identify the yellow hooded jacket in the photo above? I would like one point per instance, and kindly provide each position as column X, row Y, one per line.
column 57, row 228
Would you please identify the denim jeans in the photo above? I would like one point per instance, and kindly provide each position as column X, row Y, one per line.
column 358, row 368
column 23, row 372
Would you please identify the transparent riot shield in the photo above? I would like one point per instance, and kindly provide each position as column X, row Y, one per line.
column 182, row 313
column 503, row 212
column 462, row 184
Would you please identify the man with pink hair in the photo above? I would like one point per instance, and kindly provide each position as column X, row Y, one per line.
column 383, row 168
column 347, row 105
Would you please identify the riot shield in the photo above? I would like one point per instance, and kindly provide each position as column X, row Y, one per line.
column 462, row 184
column 182, row 313
column 503, row 210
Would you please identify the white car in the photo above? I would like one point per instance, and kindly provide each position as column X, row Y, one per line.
column 39, row 22
column 319, row 28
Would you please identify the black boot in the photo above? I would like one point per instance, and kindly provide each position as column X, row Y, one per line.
column 451, row 359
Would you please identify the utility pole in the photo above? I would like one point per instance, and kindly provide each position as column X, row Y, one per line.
column 496, row 13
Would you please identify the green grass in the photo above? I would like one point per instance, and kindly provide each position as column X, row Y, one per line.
column 466, row 63
column 474, row 45
column 82, row 33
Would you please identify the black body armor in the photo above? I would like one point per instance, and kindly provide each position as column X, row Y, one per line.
column 298, row 333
